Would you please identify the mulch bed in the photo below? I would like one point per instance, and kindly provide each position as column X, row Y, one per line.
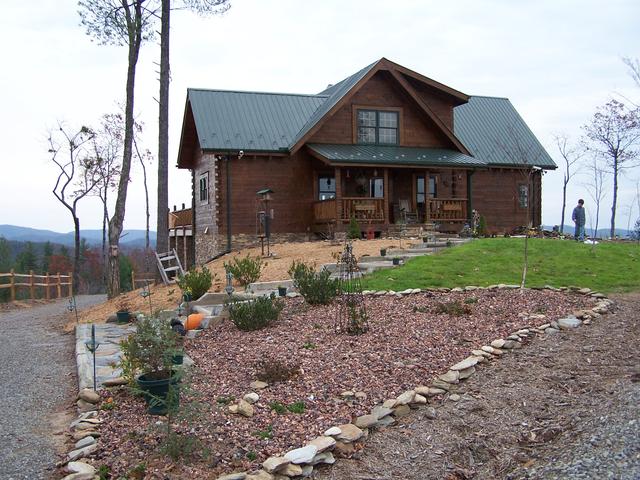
column 407, row 345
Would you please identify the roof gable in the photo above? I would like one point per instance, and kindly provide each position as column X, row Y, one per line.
column 494, row 132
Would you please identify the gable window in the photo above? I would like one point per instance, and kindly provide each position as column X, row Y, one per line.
column 378, row 127
column 326, row 188
column 203, row 182
column 523, row 196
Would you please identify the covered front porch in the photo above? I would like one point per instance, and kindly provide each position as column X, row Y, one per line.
column 382, row 186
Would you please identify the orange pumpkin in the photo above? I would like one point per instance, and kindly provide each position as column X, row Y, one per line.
column 193, row 321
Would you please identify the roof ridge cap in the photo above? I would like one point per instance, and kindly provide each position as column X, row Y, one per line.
column 317, row 95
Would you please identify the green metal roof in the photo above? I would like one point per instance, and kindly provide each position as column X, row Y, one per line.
column 229, row 120
column 394, row 155
column 493, row 131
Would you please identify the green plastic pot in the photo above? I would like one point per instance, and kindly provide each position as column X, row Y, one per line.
column 123, row 317
column 156, row 393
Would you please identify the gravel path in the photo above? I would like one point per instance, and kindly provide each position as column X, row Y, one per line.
column 566, row 406
column 37, row 387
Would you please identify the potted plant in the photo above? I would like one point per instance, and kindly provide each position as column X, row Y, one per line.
column 282, row 291
column 383, row 252
column 150, row 351
column 123, row 312
column 396, row 260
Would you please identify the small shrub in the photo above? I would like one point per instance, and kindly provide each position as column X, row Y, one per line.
column 265, row 434
column 316, row 287
column 417, row 309
column 246, row 270
column 108, row 404
column 180, row 445
column 273, row 370
column 222, row 400
column 104, row 472
column 137, row 472
column 251, row 456
column 354, row 229
column 196, row 282
column 455, row 309
column 255, row 314
column 296, row 407
column 471, row 300
column 309, row 346
column 277, row 407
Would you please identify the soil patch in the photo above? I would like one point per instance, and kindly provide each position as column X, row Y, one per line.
column 409, row 343
column 283, row 254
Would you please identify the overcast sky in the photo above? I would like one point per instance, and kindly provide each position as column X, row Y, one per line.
column 556, row 60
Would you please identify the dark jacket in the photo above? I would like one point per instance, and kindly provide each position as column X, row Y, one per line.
column 578, row 215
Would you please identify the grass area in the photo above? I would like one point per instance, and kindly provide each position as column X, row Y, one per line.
column 608, row 267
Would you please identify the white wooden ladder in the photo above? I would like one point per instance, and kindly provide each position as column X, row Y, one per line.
column 169, row 266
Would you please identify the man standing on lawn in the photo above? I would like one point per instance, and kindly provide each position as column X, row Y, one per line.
column 579, row 219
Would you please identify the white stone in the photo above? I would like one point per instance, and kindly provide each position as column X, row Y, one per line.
column 273, row 464
column 333, row 431
column 245, row 409
column 80, row 467
column 88, row 395
column 497, row 343
column 302, row 455
column 419, row 400
column 233, row 476
column 251, row 398
column 85, row 442
column 406, row 397
column 325, row 457
column 323, row 443
column 381, row 411
column 452, row 376
column 569, row 322
column 258, row 385
column 81, row 452
column 349, row 433
column 467, row 372
column 464, row 364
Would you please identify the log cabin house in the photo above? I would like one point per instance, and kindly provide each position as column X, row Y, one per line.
column 384, row 146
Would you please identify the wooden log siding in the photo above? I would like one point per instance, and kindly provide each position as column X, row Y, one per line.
column 30, row 281
column 325, row 210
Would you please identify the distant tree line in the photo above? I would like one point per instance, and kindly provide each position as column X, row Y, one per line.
column 43, row 258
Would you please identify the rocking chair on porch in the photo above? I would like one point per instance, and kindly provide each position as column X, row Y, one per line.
column 405, row 212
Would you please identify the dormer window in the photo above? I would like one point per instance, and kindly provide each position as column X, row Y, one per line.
column 378, row 127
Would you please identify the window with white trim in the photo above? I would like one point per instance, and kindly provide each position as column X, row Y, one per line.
column 203, row 182
column 523, row 196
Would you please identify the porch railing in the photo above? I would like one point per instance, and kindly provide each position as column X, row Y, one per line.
column 325, row 210
column 447, row 209
column 363, row 209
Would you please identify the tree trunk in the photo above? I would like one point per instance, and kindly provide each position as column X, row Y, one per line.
column 615, row 197
column 162, row 240
column 76, row 255
column 117, row 220
column 105, row 220
column 523, row 281
column 564, row 203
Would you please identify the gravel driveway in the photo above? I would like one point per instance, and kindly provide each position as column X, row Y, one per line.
column 567, row 406
column 37, row 386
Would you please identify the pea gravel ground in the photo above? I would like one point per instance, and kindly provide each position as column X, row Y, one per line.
column 565, row 406
column 38, row 385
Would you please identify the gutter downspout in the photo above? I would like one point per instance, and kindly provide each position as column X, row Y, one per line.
column 228, row 203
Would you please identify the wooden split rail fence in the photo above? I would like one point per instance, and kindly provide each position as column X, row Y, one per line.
column 32, row 281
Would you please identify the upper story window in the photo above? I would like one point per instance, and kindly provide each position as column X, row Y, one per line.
column 523, row 196
column 378, row 127
column 203, row 181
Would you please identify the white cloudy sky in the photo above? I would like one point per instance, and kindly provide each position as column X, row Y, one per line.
column 555, row 59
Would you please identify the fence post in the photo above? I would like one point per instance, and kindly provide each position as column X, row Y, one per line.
column 133, row 279
column 70, row 284
column 13, row 286
column 59, row 286
column 48, row 293
column 31, row 287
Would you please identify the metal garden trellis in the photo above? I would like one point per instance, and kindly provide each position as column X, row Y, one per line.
column 351, row 317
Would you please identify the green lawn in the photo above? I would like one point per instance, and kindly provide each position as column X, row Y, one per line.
column 609, row 267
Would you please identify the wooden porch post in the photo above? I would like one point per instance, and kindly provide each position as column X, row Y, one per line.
column 386, row 196
column 13, row 285
column 338, row 179
column 32, row 291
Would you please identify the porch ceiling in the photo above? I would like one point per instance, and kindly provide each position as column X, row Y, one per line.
column 391, row 155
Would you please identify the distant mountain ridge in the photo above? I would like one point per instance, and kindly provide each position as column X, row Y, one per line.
column 129, row 238
column 603, row 232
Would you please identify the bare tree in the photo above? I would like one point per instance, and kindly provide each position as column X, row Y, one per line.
column 76, row 177
column 614, row 133
column 595, row 186
column 120, row 22
column 201, row 7
column 571, row 156
column 523, row 156
column 107, row 147
column 634, row 68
